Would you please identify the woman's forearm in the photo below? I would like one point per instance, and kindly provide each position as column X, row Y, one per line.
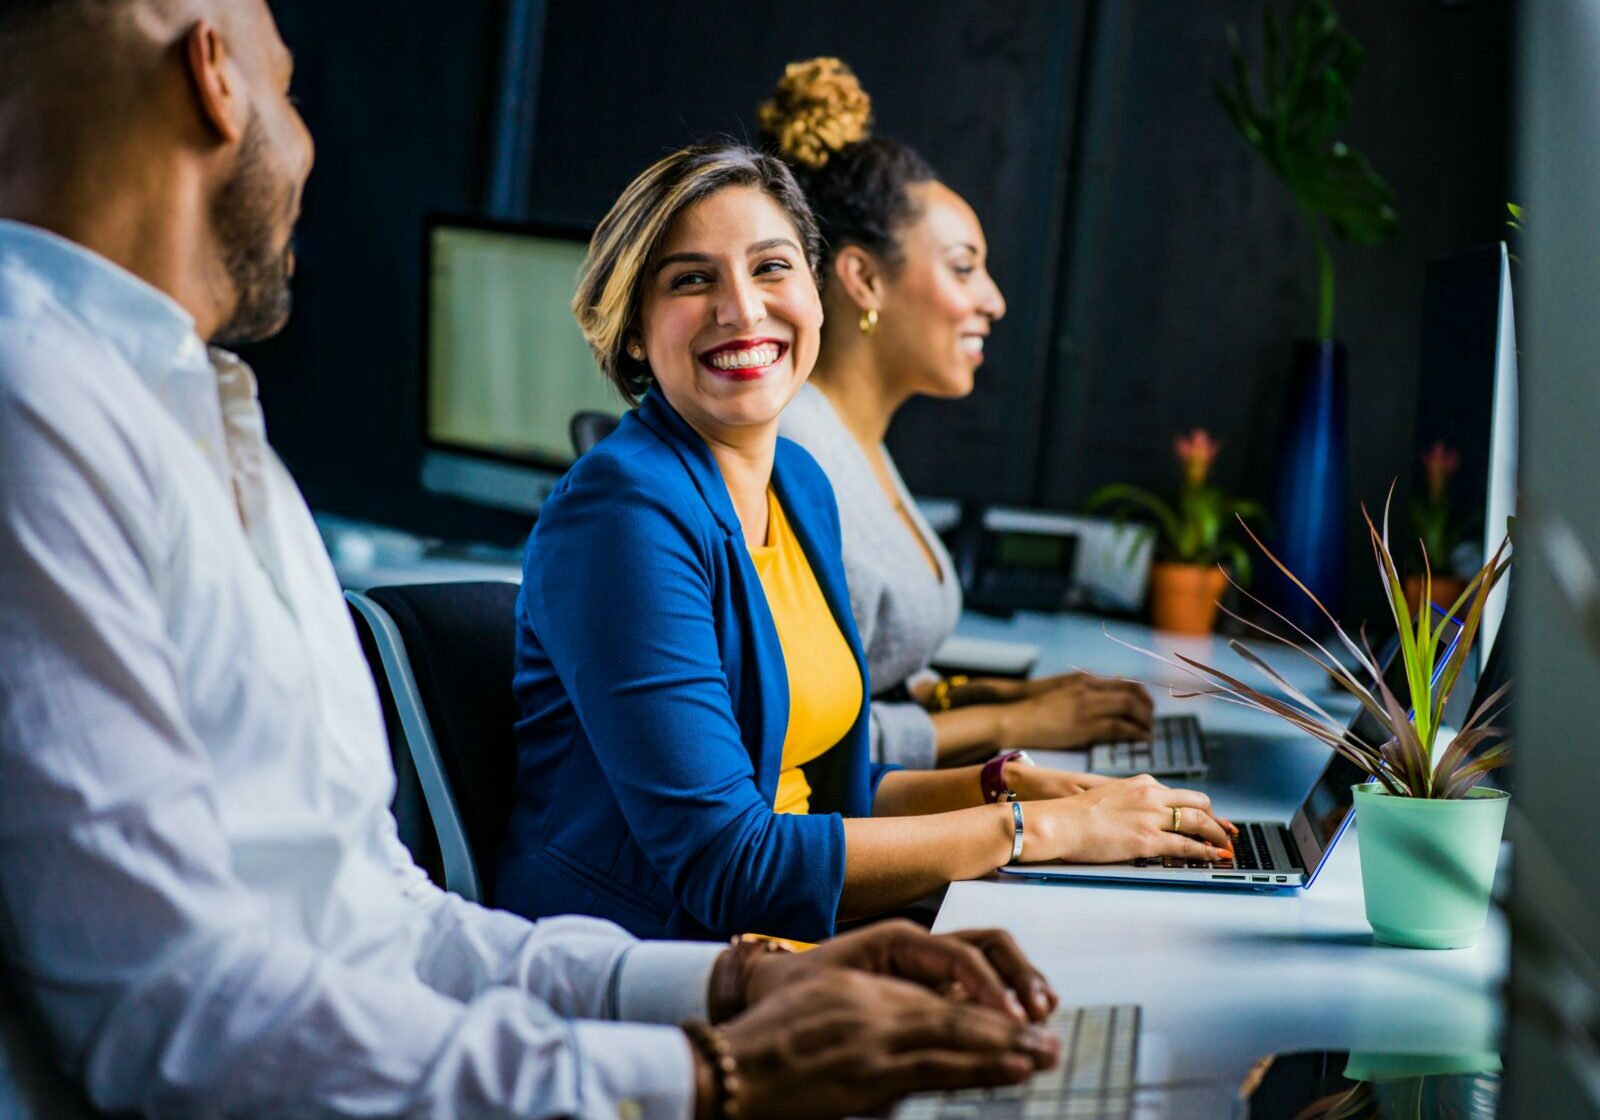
column 890, row 861
column 907, row 793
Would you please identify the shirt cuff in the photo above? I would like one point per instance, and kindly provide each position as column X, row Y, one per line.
column 665, row 981
column 644, row 1072
column 904, row 734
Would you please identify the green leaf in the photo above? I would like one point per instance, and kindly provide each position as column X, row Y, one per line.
column 1125, row 496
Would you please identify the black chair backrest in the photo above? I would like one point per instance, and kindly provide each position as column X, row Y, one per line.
column 589, row 428
column 460, row 639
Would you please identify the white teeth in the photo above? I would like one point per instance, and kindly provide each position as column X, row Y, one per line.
column 744, row 359
column 972, row 343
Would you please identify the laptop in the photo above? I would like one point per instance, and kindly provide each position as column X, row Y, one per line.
column 1175, row 749
column 1268, row 855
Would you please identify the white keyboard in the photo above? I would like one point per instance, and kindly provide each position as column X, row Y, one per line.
column 1094, row 1080
column 1175, row 749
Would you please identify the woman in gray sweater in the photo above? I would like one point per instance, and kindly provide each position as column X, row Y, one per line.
column 908, row 304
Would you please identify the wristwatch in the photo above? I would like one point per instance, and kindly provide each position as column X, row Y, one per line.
column 993, row 776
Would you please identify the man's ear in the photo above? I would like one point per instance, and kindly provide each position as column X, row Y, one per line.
column 217, row 86
column 860, row 276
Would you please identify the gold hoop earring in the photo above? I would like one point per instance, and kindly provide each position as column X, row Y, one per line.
column 868, row 321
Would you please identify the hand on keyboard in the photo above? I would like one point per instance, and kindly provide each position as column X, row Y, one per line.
column 846, row 1043
column 1122, row 820
column 985, row 964
column 1074, row 711
column 1039, row 783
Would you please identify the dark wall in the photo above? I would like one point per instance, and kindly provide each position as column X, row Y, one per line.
column 984, row 90
column 1190, row 272
column 400, row 108
column 1155, row 271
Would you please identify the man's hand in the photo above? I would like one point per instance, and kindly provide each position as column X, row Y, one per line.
column 983, row 966
column 833, row 1042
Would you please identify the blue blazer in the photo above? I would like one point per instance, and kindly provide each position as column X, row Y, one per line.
column 653, row 701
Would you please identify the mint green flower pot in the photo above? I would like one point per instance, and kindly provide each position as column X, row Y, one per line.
column 1427, row 866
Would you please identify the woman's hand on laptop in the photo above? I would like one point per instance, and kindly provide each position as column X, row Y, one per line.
column 1039, row 783
column 1123, row 820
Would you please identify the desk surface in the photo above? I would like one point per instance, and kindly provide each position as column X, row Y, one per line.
column 1226, row 977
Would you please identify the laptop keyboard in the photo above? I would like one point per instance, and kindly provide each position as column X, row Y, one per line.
column 1251, row 852
column 1092, row 1081
column 1175, row 747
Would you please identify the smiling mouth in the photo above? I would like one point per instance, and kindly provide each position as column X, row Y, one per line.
column 744, row 359
column 972, row 344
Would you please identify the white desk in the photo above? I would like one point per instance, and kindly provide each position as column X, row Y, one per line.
column 1225, row 978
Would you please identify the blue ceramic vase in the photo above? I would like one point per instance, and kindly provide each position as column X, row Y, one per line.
column 1309, row 507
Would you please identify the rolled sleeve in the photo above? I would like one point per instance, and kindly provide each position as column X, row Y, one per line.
column 904, row 734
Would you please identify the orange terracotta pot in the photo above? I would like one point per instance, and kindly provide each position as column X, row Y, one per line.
column 1183, row 597
column 1446, row 590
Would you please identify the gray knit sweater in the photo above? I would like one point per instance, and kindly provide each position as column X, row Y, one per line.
column 903, row 611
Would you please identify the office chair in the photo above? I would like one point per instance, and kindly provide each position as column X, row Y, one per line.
column 589, row 428
column 444, row 657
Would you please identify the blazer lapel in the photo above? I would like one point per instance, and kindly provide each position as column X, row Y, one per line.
column 769, row 691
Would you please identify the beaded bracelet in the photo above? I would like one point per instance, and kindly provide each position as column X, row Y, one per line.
column 726, row 1083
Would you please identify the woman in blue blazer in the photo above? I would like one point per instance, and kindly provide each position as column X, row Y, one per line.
column 654, row 690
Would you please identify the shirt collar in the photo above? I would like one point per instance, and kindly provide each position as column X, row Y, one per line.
column 147, row 326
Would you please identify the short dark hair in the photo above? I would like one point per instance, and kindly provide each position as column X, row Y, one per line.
column 611, row 287
column 819, row 121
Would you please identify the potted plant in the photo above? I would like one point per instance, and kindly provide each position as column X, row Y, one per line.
column 1191, row 537
column 1430, row 833
column 1309, row 64
column 1439, row 528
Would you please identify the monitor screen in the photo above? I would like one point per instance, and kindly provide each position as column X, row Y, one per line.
column 1467, row 402
column 507, row 366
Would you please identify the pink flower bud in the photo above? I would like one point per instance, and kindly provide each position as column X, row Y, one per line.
column 1196, row 451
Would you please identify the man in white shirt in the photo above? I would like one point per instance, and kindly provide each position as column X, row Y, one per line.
column 201, row 890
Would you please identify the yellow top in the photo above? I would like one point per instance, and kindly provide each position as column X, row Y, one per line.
column 824, row 680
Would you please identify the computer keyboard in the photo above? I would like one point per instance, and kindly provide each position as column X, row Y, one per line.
column 1174, row 747
column 1251, row 852
column 1093, row 1081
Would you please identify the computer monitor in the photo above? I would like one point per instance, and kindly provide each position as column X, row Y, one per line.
column 504, row 364
column 1467, row 399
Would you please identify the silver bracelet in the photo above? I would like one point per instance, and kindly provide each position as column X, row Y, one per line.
column 1016, row 832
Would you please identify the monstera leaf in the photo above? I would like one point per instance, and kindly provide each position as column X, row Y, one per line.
column 1306, row 73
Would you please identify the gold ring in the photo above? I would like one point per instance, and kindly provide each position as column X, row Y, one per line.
column 1177, row 819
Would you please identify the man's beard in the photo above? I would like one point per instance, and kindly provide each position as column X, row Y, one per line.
column 246, row 217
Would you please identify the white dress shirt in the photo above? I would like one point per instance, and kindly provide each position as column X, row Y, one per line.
column 201, row 888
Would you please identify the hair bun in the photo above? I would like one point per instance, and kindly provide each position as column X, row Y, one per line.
column 818, row 108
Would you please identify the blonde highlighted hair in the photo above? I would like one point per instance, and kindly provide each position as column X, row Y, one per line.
column 625, row 245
